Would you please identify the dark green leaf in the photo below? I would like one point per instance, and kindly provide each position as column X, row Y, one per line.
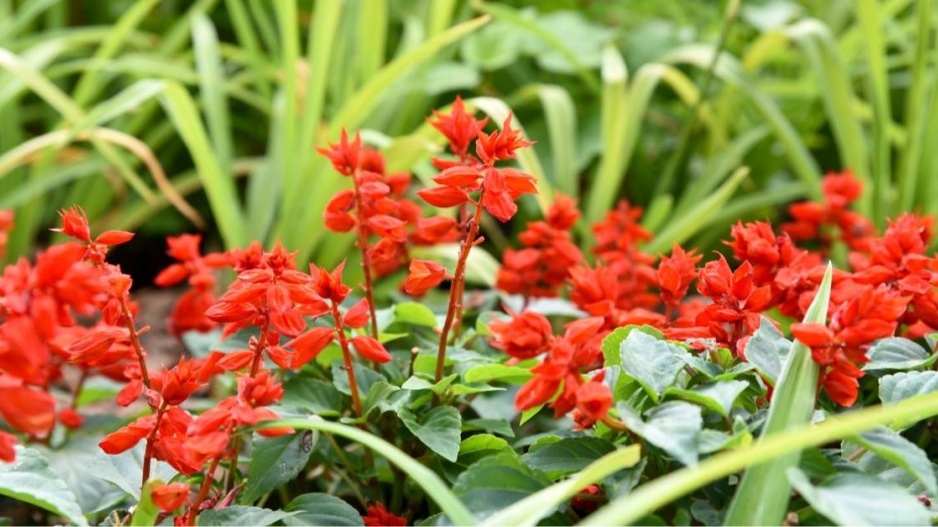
column 897, row 353
column 385, row 397
column 439, row 429
column 365, row 377
column 890, row 445
column 859, row 499
column 767, row 351
column 496, row 482
column 496, row 426
column 240, row 515
column 92, row 493
column 718, row 397
column 568, row 455
column 673, row 427
column 30, row 479
column 312, row 395
column 653, row 363
column 275, row 461
column 125, row 470
column 320, row 509
column 898, row 386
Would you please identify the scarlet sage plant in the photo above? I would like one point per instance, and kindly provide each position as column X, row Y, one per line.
column 300, row 398
column 472, row 183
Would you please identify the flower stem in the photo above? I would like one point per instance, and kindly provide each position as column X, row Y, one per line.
column 347, row 355
column 148, row 453
column 456, row 290
column 366, row 261
column 203, row 491
column 135, row 341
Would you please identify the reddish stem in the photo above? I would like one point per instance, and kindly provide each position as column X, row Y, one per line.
column 148, row 453
column 347, row 355
column 135, row 341
column 203, row 491
column 366, row 261
column 456, row 291
column 259, row 351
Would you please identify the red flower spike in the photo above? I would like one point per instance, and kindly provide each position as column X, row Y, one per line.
column 358, row 315
column 459, row 176
column 344, row 155
column 170, row 497
column 423, row 276
column 75, row 224
column 27, row 410
column 308, row 345
column 459, row 126
column 371, row 349
column 379, row 516
column 594, row 399
column 500, row 144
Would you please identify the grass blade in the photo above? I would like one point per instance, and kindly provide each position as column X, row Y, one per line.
column 762, row 495
column 560, row 115
column 877, row 75
column 644, row 500
column 372, row 37
column 614, row 100
column 532, row 509
column 681, row 228
column 211, row 79
column 436, row 488
column 911, row 157
column 219, row 186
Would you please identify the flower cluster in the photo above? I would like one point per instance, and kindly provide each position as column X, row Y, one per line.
column 189, row 311
column 892, row 287
column 540, row 268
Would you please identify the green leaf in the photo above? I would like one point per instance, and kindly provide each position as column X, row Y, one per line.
column 497, row 372
column 414, row 313
column 92, row 492
column 568, row 455
column 890, row 445
column 30, row 479
column 859, row 499
column 275, row 461
column 318, row 508
column 364, row 377
column 496, row 426
column 653, row 363
column 529, row 511
column 767, row 351
column 312, row 395
column 240, row 515
column 492, row 47
column 718, row 397
column 673, row 427
column 146, row 511
column 897, row 353
column 497, row 481
column 385, row 397
column 439, row 429
column 898, row 386
column 612, row 342
column 125, row 470
column 471, row 450
column 426, row 479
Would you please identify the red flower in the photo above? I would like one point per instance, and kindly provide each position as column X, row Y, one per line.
column 27, row 410
column 500, row 144
column 7, row 450
column 379, row 516
column 594, row 399
column 675, row 273
column 737, row 303
column 170, row 497
column 524, row 336
column 459, row 126
column 371, row 349
column 870, row 314
column 423, row 276
column 345, row 155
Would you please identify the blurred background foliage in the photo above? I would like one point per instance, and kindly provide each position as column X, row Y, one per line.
column 164, row 116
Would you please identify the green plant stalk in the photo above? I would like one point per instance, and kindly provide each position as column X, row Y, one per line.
column 869, row 15
column 679, row 159
column 649, row 497
column 762, row 495
column 910, row 160
column 425, row 478
column 530, row 510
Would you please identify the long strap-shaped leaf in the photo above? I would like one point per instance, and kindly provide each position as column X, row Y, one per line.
column 646, row 499
column 435, row 487
column 762, row 496
column 532, row 509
